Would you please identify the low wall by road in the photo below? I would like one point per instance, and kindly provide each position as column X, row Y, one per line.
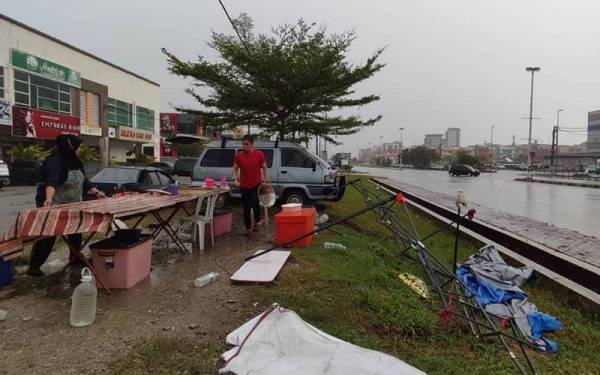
column 567, row 253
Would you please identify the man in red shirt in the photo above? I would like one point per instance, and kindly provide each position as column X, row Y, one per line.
column 252, row 166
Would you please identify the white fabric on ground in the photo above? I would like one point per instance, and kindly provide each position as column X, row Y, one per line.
column 283, row 343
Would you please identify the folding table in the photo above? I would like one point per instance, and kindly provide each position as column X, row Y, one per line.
column 96, row 217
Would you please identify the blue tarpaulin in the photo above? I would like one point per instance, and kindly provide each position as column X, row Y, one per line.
column 485, row 292
column 496, row 285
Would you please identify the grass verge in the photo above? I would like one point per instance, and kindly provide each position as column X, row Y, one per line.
column 355, row 294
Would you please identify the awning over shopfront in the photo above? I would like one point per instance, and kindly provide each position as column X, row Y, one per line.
column 186, row 139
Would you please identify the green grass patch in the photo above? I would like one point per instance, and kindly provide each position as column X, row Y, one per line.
column 167, row 355
column 355, row 294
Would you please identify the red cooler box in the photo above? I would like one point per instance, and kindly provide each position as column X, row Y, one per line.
column 122, row 263
column 293, row 224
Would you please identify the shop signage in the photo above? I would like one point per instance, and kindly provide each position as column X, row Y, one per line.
column 168, row 123
column 4, row 112
column 44, row 68
column 32, row 123
column 136, row 135
column 112, row 132
column 96, row 131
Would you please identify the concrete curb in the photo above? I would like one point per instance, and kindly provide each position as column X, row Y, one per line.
column 574, row 274
column 567, row 183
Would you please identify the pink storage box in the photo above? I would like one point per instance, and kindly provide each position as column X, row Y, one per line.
column 222, row 222
column 122, row 268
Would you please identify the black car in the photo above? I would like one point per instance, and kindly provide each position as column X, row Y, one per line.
column 463, row 170
column 115, row 179
column 25, row 172
column 164, row 166
column 184, row 166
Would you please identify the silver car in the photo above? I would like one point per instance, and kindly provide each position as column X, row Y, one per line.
column 297, row 175
column 4, row 174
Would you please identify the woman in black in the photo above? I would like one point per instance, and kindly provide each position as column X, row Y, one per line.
column 63, row 181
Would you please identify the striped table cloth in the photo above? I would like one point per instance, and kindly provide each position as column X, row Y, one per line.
column 84, row 217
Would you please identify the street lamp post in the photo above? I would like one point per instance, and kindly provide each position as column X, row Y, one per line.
column 401, row 146
column 531, row 69
column 492, row 142
column 558, row 111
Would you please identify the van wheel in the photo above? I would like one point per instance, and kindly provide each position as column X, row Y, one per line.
column 222, row 201
column 294, row 196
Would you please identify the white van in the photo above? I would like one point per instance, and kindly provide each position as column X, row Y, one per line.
column 297, row 175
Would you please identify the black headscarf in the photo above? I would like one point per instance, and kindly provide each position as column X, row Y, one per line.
column 66, row 145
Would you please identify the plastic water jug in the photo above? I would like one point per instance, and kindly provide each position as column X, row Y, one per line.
column 206, row 279
column 83, row 301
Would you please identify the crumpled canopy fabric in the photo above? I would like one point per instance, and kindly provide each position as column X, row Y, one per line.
column 496, row 285
column 279, row 342
column 489, row 265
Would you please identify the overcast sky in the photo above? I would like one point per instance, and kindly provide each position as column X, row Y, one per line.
column 449, row 63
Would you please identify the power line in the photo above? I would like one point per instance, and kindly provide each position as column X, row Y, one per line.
column 234, row 28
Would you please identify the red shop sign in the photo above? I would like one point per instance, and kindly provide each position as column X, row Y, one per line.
column 32, row 123
column 168, row 123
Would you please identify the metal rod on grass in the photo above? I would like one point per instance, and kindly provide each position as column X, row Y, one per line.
column 456, row 234
column 325, row 227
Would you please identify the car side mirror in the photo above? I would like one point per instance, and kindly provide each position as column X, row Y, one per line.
column 314, row 166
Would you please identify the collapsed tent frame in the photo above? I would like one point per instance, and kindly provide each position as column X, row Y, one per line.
column 451, row 291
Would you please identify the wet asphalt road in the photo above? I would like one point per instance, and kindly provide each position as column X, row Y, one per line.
column 12, row 200
column 569, row 207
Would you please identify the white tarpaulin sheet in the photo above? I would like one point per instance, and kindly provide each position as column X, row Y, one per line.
column 279, row 342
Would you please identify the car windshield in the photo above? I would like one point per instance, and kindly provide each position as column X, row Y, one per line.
column 116, row 175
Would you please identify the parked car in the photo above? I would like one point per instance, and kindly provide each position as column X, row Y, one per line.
column 25, row 172
column 4, row 174
column 115, row 179
column 463, row 170
column 184, row 166
column 593, row 171
column 164, row 166
column 297, row 175
column 489, row 168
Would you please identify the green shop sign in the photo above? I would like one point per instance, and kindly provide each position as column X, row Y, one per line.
column 45, row 68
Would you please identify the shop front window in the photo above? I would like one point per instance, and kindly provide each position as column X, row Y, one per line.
column 41, row 93
column 144, row 118
column 119, row 113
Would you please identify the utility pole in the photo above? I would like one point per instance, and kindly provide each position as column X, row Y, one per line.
column 531, row 69
column 558, row 111
column 401, row 147
column 382, row 151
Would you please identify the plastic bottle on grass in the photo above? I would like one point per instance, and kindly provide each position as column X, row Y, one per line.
column 83, row 301
column 206, row 279
column 333, row 246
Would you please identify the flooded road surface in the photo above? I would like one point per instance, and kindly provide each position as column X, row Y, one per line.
column 570, row 207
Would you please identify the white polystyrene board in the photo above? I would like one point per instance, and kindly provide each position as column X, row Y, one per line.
column 262, row 269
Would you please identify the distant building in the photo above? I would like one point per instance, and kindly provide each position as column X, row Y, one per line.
column 573, row 161
column 453, row 137
column 434, row 141
column 503, row 152
column 593, row 133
